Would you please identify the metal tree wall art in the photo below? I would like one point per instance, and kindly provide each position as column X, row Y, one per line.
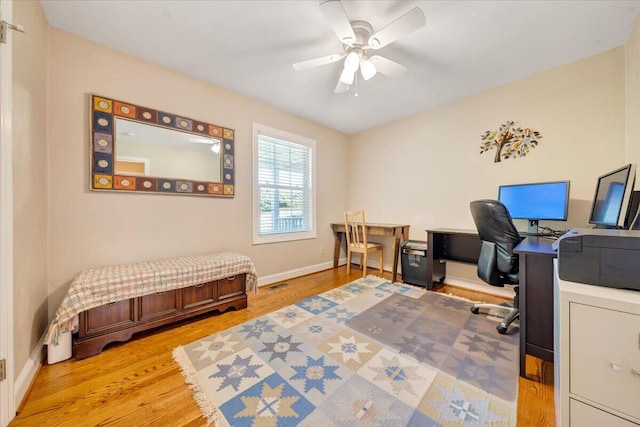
column 509, row 141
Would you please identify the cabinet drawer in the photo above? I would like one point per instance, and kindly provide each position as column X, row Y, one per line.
column 157, row 305
column 198, row 295
column 604, row 353
column 587, row 416
column 109, row 317
column 231, row 287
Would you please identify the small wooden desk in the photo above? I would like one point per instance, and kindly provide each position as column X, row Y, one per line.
column 399, row 232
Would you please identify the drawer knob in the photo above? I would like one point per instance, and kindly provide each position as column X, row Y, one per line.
column 160, row 293
column 231, row 278
column 198, row 286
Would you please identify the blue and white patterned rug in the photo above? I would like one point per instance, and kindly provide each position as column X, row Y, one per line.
column 367, row 353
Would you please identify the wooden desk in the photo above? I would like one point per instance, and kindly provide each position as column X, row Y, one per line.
column 399, row 232
column 536, row 299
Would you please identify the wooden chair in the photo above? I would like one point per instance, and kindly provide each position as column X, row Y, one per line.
column 355, row 229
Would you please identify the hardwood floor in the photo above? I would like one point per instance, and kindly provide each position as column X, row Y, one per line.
column 138, row 384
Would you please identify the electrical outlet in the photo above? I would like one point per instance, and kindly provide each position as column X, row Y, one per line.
column 321, row 250
column 3, row 369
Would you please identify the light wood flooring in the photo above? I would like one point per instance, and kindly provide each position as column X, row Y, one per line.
column 138, row 383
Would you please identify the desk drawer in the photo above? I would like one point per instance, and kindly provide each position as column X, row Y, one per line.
column 605, row 357
column 157, row 305
column 584, row 416
column 108, row 317
column 199, row 295
column 231, row 287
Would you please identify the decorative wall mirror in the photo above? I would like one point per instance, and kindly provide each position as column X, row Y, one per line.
column 134, row 148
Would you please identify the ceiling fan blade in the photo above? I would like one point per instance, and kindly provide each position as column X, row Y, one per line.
column 316, row 62
column 341, row 87
column 335, row 14
column 402, row 26
column 388, row 67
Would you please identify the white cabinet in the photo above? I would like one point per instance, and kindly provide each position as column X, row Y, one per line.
column 598, row 377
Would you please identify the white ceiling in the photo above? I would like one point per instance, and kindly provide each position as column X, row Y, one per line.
column 248, row 47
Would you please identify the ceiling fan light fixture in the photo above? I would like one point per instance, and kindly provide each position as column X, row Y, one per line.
column 367, row 68
column 347, row 76
column 352, row 62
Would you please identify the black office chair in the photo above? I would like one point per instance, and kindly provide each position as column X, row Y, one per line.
column 497, row 265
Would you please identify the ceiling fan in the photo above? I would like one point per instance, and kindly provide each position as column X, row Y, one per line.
column 358, row 38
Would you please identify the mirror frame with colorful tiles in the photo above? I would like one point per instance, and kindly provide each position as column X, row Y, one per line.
column 104, row 176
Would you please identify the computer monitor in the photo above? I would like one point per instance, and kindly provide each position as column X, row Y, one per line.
column 610, row 205
column 536, row 201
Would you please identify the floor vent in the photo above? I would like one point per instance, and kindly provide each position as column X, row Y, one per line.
column 279, row 285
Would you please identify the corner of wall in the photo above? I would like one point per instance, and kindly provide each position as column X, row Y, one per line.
column 632, row 96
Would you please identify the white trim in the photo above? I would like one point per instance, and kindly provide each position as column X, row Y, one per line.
column 290, row 274
column 259, row 129
column 286, row 275
column 7, row 401
column 145, row 161
column 29, row 371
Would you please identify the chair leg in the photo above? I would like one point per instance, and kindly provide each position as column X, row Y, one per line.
column 348, row 262
column 504, row 325
column 364, row 265
column 381, row 271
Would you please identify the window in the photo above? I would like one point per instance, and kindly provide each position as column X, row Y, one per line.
column 283, row 186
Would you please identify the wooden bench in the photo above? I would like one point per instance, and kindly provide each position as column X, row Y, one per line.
column 109, row 304
column 118, row 321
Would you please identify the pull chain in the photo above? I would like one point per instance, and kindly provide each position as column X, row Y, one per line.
column 356, row 94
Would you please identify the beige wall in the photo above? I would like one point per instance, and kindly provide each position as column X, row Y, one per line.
column 90, row 229
column 424, row 170
column 29, row 111
column 632, row 91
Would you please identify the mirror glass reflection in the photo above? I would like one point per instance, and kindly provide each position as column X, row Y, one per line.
column 146, row 150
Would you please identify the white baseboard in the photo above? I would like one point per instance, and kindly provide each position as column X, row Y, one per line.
column 28, row 372
column 286, row 275
column 372, row 264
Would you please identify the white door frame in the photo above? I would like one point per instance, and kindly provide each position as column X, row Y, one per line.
column 7, row 400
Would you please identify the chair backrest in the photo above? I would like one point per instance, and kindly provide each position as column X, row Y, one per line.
column 355, row 227
column 498, row 234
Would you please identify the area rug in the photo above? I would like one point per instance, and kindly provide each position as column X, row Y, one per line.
column 365, row 354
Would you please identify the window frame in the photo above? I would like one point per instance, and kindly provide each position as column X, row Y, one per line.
column 258, row 239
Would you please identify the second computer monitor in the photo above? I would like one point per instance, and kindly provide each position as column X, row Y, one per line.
column 536, row 201
column 612, row 201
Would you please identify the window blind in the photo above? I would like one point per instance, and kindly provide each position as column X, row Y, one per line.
column 284, row 186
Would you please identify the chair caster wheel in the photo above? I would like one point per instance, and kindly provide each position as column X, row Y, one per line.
column 475, row 310
column 501, row 329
